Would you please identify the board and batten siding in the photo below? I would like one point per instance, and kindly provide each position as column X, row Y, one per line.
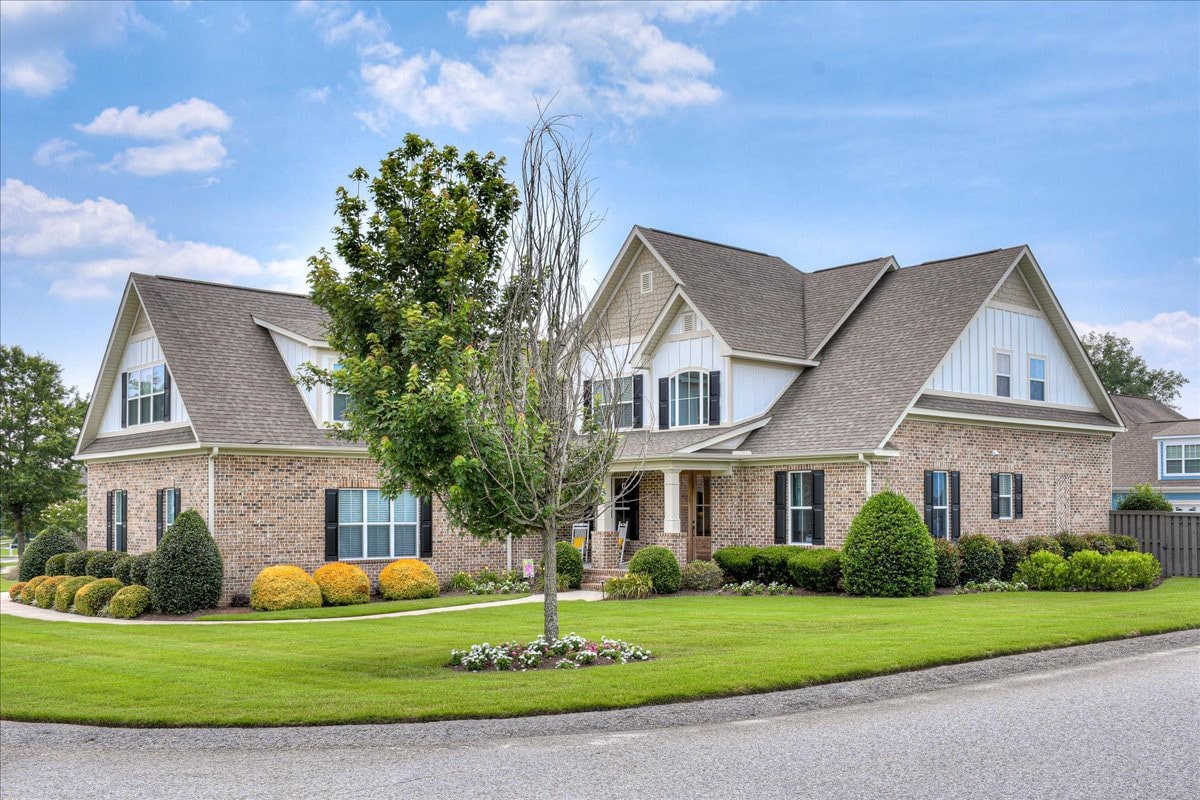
column 295, row 354
column 969, row 367
column 139, row 353
column 681, row 354
column 756, row 386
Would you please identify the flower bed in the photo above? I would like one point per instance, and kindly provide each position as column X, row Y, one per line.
column 503, row 586
column 570, row 652
column 750, row 588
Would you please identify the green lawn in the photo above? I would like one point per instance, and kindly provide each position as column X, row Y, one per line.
column 391, row 669
column 384, row 607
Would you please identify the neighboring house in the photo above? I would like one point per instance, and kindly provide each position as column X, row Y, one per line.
column 1161, row 447
column 763, row 404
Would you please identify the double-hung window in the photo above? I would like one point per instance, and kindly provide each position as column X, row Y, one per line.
column 800, row 508
column 1180, row 460
column 614, row 400
column 1005, row 495
column 1037, row 378
column 1003, row 373
column 940, row 502
column 338, row 401
column 371, row 525
column 146, row 395
column 689, row 399
column 118, row 520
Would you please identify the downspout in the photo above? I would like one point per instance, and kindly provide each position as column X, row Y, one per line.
column 864, row 460
column 212, row 498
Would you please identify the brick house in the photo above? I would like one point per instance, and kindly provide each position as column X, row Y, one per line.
column 761, row 404
column 1160, row 447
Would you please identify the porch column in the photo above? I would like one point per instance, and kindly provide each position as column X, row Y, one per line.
column 671, row 522
column 605, row 518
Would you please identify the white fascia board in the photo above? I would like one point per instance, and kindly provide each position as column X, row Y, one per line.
column 750, row 355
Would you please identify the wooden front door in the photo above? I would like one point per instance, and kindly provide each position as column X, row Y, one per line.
column 695, row 511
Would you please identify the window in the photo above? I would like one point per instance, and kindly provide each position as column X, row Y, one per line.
column 1003, row 373
column 1006, row 495
column 338, row 401
column 615, row 397
column 800, row 508
column 647, row 282
column 373, row 526
column 117, row 523
column 940, row 502
column 1181, row 459
column 146, row 395
column 170, row 506
column 1037, row 378
column 689, row 399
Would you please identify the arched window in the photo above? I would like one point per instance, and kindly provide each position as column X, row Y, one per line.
column 689, row 399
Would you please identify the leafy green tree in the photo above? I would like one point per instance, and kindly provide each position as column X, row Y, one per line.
column 1144, row 497
column 1124, row 372
column 68, row 517
column 39, row 426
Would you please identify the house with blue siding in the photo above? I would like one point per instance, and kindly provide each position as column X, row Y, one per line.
column 1160, row 447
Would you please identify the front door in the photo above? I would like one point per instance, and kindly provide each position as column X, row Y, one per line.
column 695, row 507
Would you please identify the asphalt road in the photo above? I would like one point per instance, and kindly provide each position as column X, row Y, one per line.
column 1125, row 724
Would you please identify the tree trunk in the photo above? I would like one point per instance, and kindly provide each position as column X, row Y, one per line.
column 550, row 583
column 19, row 535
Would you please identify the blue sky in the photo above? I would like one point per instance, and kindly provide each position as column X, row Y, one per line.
column 207, row 139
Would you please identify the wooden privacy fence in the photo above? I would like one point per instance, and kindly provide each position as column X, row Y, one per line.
column 1172, row 537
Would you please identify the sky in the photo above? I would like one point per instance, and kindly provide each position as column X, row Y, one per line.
column 208, row 139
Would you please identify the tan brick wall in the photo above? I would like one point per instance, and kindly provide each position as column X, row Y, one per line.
column 142, row 479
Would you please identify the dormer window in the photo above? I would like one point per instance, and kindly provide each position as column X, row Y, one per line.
column 146, row 395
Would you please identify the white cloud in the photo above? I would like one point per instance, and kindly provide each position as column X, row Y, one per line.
column 87, row 248
column 315, row 95
column 198, row 154
column 59, row 153
column 179, row 151
column 1169, row 340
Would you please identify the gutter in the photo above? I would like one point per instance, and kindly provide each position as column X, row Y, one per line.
column 863, row 459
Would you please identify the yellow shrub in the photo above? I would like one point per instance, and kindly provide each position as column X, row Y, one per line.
column 28, row 590
column 284, row 586
column 407, row 579
column 44, row 595
column 343, row 584
column 14, row 591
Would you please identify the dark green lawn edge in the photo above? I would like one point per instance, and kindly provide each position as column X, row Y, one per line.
column 362, row 610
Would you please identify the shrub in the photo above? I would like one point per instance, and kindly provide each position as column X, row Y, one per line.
column 461, row 582
column 185, row 573
column 888, row 552
column 771, row 563
column 129, row 602
column 282, row 587
column 28, row 595
column 817, row 569
column 949, row 564
column 737, row 562
column 1011, row 552
column 1070, row 543
column 101, row 565
column 1100, row 542
column 407, row 579
column 569, row 562
column 56, row 564
column 701, row 576
column 1044, row 570
column 1125, row 543
column 44, row 596
column 1124, row 570
column 92, row 598
column 45, row 544
column 1036, row 544
column 14, row 591
column 131, row 570
column 343, row 584
column 634, row 586
column 982, row 558
column 75, row 563
column 1144, row 497
column 660, row 564
column 64, row 595
column 1085, row 570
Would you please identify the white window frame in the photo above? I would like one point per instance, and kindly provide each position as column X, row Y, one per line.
column 392, row 525
column 170, row 513
column 605, row 406
column 1003, row 496
column 943, row 510
column 1044, row 380
column 674, row 400
column 1182, row 459
column 801, row 506
column 120, row 520
column 997, row 374
column 136, row 400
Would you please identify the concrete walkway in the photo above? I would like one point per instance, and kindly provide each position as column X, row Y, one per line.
column 9, row 606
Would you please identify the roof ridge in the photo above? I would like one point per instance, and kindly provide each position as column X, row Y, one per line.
column 220, row 285
column 851, row 264
column 968, row 255
column 710, row 241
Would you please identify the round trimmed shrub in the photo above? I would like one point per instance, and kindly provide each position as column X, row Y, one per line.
column 1085, row 570
column 1124, row 570
column 1037, row 544
column 1145, row 497
column 888, row 551
column 949, row 564
column 407, row 579
column 343, row 584
column 1011, row 551
column 27, row 591
column 1125, row 543
column 76, row 563
column 185, row 573
column 92, row 598
column 569, row 564
column 771, row 563
column 44, row 596
column 737, row 562
column 1100, row 542
column 817, row 569
column 701, row 576
column 1044, row 570
column 45, row 544
column 64, row 595
column 101, row 565
column 660, row 564
column 1070, row 543
column 982, row 558
column 123, row 569
column 282, row 587
column 14, row 591
column 56, row 564
column 129, row 602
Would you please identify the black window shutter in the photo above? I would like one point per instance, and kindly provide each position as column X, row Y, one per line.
column 124, row 399
column 714, row 397
column 633, row 498
column 929, row 500
column 331, row 524
column 637, row 401
column 995, row 495
column 426, row 527
column 955, row 527
column 587, row 400
column 664, row 403
column 818, row 506
column 781, row 507
column 166, row 395
column 159, row 497
column 108, row 516
column 1018, row 495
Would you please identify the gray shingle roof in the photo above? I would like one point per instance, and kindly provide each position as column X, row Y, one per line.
column 1135, row 452
column 136, row 441
column 997, row 408
column 1143, row 409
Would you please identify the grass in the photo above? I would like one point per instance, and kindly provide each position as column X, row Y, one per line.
column 384, row 607
column 392, row 669
column 5, row 583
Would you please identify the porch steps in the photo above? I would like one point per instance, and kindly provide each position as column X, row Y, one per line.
column 593, row 579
